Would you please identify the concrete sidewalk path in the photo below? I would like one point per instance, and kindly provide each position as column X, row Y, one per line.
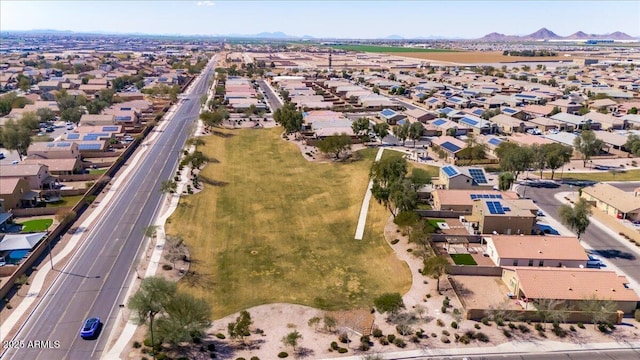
column 362, row 219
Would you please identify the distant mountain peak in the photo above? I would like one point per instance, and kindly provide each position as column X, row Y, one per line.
column 546, row 34
column 543, row 34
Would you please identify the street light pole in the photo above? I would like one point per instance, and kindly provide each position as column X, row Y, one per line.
column 50, row 254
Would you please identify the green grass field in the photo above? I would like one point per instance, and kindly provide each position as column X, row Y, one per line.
column 386, row 49
column 66, row 201
column 37, row 225
column 434, row 171
column 272, row 227
column 463, row 259
column 97, row 171
column 627, row 175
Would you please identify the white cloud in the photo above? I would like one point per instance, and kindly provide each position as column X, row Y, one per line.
column 205, row 3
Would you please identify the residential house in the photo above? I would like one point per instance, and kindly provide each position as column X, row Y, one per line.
column 613, row 201
column 16, row 193
column 566, row 105
column 419, row 115
column 478, row 125
column 462, row 200
column 503, row 216
column 449, row 145
column 452, row 177
column 97, row 120
column 58, row 167
column 533, row 250
column 53, row 150
column 607, row 122
column 571, row 285
column 509, row 125
column 545, row 124
column 391, row 116
column 37, row 176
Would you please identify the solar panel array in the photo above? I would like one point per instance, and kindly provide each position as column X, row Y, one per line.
column 63, row 144
column 449, row 170
column 388, row 112
column 495, row 141
column 478, row 176
column 73, row 136
column 485, row 196
column 469, row 121
column 432, row 101
column 526, row 96
column 495, row 208
column 110, row 128
column 509, row 110
column 89, row 146
column 449, row 146
column 478, row 112
column 439, row 122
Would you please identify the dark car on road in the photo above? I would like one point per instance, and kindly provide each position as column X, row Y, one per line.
column 90, row 328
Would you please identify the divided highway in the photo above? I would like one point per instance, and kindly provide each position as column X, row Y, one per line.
column 98, row 276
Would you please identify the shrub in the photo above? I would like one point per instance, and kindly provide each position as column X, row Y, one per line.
column 342, row 350
column 399, row 343
column 559, row 332
column 388, row 302
column 572, row 328
column 512, row 326
column 220, row 336
column 445, row 340
column 147, row 342
column 454, row 325
column 506, row 333
column 603, row 328
column 282, row 354
column 477, row 326
column 443, row 309
column 213, row 355
column 376, row 333
column 499, row 322
column 611, row 326
column 542, row 334
column 211, row 347
column 464, row 339
column 434, row 335
column 241, row 358
column 395, row 241
column 334, row 345
column 440, row 322
column 415, row 339
column 391, row 337
column 480, row 336
column 485, row 321
column 445, row 333
column 137, row 345
column 255, row 358
column 384, row 341
column 580, row 325
column 523, row 328
column 539, row 327
column 343, row 337
column 445, row 302
column 167, row 267
column 163, row 356
column 429, row 297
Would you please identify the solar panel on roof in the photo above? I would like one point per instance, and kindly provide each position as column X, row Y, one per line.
column 478, row 176
column 449, row 146
column 450, row 171
column 90, row 137
column 89, row 146
column 495, row 207
column 73, row 136
column 439, row 122
column 526, row 96
column 509, row 111
column 478, row 112
column 495, row 141
column 63, row 144
column 433, row 100
column 388, row 112
column 110, row 128
column 469, row 121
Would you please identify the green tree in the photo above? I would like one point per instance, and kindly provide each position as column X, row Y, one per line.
column 381, row 130
column 539, row 159
column 633, row 144
column 514, row 158
column 24, row 83
column 329, row 323
column 151, row 300
column 240, row 328
column 387, row 175
column 292, row 339
column 598, row 309
column 633, row 110
column 435, row 266
column 401, row 132
column 505, row 180
column 289, row 118
column 588, row 145
column 415, row 132
column 402, row 197
column 419, row 178
column 576, row 217
column 211, row 119
column 556, row 156
column 72, row 114
column 16, row 137
column 388, row 302
column 360, row 126
column 186, row 317
column 556, row 110
column 335, row 144
column 45, row 114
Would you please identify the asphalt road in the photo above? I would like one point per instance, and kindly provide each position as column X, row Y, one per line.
column 606, row 247
column 97, row 277
column 272, row 98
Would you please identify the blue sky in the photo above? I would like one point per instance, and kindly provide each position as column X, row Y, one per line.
column 346, row 19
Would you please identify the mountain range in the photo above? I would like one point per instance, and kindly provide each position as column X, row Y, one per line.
column 546, row 34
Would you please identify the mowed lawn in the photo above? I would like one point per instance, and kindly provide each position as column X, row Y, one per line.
column 603, row 175
column 37, row 225
column 272, row 227
column 463, row 259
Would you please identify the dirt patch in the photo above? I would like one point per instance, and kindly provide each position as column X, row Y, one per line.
column 477, row 57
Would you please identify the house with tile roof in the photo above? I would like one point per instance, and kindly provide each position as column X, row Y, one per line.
column 613, row 201
column 534, row 250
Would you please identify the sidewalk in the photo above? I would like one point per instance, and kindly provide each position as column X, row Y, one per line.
column 364, row 209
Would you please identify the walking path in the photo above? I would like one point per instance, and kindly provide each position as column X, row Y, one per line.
column 362, row 220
